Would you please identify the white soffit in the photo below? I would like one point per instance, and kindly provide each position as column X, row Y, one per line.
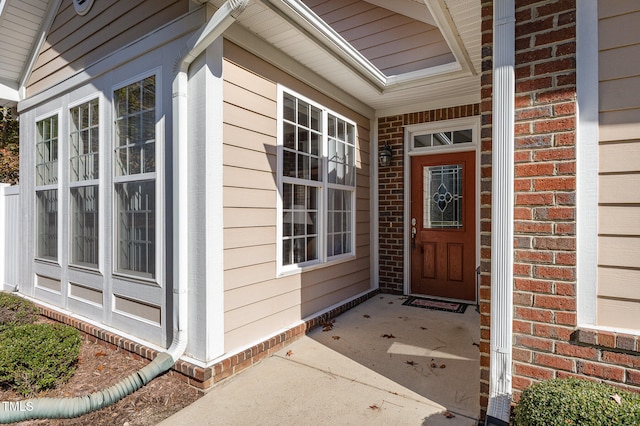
column 287, row 26
column 21, row 24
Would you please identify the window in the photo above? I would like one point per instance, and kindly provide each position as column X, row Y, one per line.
column 46, row 188
column 317, row 181
column 135, row 177
column 84, row 143
column 430, row 140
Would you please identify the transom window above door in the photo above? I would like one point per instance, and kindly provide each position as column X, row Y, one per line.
column 442, row 138
column 457, row 134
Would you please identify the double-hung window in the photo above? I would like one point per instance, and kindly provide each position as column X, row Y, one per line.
column 135, row 178
column 84, row 146
column 317, row 182
column 47, row 188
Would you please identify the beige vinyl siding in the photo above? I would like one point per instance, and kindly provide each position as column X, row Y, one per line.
column 619, row 165
column 257, row 301
column 74, row 41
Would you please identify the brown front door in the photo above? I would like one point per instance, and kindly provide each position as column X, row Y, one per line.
column 443, row 225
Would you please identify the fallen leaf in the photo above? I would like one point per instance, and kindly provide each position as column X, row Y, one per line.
column 327, row 325
column 366, row 316
column 289, row 353
column 423, row 328
column 617, row 399
column 100, row 368
column 448, row 414
column 476, row 344
column 391, row 303
column 412, row 363
column 335, row 337
column 443, row 366
column 389, row 336
column 433, row 365
column 374, row 407
column 101, row 353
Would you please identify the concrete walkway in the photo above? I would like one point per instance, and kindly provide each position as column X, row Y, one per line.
column 382, row 363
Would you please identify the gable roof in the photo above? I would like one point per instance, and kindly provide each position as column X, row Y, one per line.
column 392, row 55
column 23, row 24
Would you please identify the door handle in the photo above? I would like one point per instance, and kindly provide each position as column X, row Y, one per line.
column 413, row 232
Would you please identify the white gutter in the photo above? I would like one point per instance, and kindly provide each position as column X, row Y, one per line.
column 207, row 34
column 502, row 212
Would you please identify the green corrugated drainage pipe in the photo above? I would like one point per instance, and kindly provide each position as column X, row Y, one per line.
column 66, row 408
column 57, row 408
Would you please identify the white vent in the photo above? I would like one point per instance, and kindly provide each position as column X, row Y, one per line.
column 82, row 6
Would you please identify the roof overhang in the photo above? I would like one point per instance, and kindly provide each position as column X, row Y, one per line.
column 293, row 28
column 300, row 15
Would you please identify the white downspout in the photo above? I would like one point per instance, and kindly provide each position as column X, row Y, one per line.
column 502, row 212
column 207, row 34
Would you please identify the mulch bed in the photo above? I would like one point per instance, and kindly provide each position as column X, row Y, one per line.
column 100, row 367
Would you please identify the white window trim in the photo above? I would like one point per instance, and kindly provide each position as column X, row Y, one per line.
column 99, row 182
column 58, row 112
column 157, row 176
column 323, row 260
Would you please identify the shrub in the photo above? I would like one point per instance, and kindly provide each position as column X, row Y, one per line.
column 34, row 357
column 576, row 402
column 10, row 164
column 15, row 310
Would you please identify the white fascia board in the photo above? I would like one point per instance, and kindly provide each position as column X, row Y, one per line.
column 257, row 46
column 9, row 92
column 305, row 19
column 301, row 16
column 444, row 22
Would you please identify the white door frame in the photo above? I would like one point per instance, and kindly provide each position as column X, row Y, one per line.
column 472, row 123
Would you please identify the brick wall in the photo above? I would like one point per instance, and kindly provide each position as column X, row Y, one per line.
column 547, row 343
column 391, row 190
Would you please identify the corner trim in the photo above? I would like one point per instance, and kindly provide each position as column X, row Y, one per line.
column 587, row 160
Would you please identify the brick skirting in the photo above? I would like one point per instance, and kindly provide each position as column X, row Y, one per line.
column 199, row 377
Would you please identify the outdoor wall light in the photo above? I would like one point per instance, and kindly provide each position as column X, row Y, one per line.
column 384, row 156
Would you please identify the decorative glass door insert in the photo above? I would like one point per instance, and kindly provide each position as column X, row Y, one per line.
column 442, row 198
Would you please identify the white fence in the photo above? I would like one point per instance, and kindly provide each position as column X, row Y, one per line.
column 10, row 236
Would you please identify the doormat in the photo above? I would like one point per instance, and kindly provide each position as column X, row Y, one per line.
column 437, row 305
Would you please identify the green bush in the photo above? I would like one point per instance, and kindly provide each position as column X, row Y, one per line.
column 34, row 357
column 576, row 402
column 15, row 310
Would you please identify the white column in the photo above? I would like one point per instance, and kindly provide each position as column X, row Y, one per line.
column 502, row 211
column 3, row 239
